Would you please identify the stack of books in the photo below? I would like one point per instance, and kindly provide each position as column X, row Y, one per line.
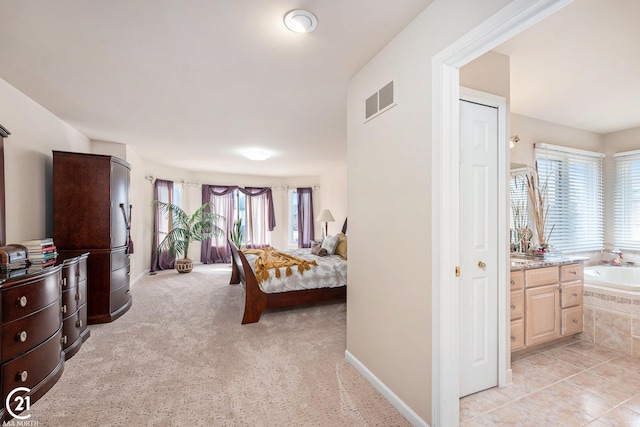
column 41, row 251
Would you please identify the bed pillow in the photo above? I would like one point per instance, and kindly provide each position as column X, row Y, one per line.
column 341, row 248
column 318, row 250
column 330, row 243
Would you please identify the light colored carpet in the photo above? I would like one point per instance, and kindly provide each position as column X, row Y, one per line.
column 181, row 357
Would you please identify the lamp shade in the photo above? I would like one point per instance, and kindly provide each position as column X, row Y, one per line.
column 325, row 216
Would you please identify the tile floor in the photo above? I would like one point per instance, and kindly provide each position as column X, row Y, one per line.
column 574, row 384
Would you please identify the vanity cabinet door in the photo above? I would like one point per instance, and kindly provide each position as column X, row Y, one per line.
column 542, row 314
column 517, row 334
column 516, row 280
column 517, row 304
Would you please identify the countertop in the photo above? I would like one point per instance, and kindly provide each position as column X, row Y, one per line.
column 523, row 262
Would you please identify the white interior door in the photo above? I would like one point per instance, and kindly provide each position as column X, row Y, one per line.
column 478, row 247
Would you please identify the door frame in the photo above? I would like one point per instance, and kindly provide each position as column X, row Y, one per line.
column 515, row 17
column 502, row 185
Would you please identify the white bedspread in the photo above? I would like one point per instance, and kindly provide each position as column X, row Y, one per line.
column 331, row 272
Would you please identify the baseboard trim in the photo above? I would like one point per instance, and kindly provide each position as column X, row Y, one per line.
column 385, row 391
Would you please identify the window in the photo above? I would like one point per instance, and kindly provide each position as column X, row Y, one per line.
column 293, row 217
column 575, row 195
column 627, row 200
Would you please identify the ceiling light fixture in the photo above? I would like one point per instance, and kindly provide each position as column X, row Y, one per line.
column 300, row 21
column 256, row 154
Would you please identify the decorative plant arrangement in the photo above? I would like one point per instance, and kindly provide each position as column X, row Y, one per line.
column 519, row 213
column 236, row 233
column 199, row 226
column 538, row 197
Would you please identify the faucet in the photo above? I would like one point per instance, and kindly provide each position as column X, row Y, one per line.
column 616, row 257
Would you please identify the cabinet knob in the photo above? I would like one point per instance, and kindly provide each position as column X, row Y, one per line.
column 22, row 376
column 513, row 306
column 64, row 309
column 575, row 294
column 513, row 337
column 513, row 282
column 574, row 272
column 22, row 301
column 575, row 320
column 79, row 323
column 22, row 336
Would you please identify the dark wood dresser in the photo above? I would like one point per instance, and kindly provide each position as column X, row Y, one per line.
column 74, row 304
column 31, row 333
column 91, row 213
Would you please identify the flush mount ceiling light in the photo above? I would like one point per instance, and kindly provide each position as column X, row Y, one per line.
column 300, row 21
column 256, row 154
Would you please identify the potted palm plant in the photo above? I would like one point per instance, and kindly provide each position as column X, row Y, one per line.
column 200, row 225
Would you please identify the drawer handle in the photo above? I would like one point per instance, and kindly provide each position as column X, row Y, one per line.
column 513, row 282
column 64, row 309
column 63, row 340
column 64, row 282
column 79, row 324
column 513, row 337
column 128, row 290
column 78, row 296
column 575, row 294
column 22, row 376
column 513, row 306
column 22, row 336
column 78, row 273
column 575, row 320
column 22, row 301
column 573, row 272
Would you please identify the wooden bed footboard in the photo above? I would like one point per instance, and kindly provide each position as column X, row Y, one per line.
column 257, row 301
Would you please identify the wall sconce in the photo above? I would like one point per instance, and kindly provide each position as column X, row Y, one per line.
column 513, row 141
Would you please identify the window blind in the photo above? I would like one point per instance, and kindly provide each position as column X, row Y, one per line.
column 575, row 195
column 627, row 200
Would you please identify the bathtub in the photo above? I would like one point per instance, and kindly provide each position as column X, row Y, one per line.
column 624, row 280
column 612, row 308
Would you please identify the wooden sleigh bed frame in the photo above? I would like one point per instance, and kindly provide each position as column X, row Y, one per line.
column 256, row 301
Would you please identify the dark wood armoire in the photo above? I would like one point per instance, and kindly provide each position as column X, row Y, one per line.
column 91, row 213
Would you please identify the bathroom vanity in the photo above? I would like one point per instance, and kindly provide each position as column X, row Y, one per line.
column 546, row 301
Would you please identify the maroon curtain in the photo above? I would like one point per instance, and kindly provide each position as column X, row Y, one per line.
column 162, row 191
column 216, row 250
column 305, row 217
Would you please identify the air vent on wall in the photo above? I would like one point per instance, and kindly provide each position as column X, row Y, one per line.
column 379, row 102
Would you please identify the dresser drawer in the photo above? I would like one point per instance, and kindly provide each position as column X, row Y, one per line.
column 23, row 299
column 72, row 299
column 517, row 280
column 571, row 294
column 517, row 304
column 119, row 259
column 119, row 297
column 73, row 326
column 541, row 276
column 119, row 278
column 34, row 366
column 23, row 334
column 517, row 335
column 572, row 320
column 571, row 272
column 70, row 272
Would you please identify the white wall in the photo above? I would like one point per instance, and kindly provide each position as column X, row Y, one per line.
column 389, row 179
column 35, row 132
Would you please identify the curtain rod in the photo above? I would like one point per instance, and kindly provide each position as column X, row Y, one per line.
column 152, row 179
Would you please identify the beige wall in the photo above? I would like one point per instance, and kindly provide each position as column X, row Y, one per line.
column 35, row 132
column 389, row 179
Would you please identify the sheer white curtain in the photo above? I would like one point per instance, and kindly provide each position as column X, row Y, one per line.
column 257, row 226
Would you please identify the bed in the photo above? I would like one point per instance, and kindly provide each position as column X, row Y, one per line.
column 313, row 285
